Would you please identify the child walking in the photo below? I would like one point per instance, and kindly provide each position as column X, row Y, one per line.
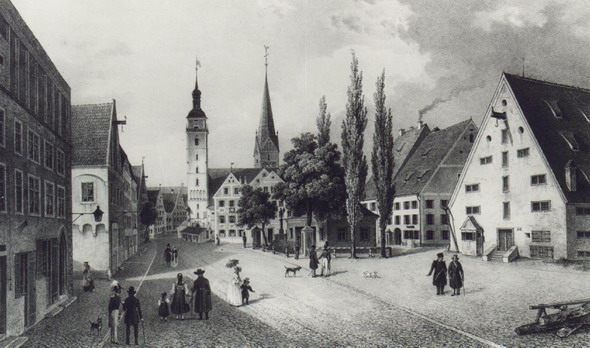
column 163, row 310
column 246, row 288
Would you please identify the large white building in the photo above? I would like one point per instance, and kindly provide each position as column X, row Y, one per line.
column 525, row 188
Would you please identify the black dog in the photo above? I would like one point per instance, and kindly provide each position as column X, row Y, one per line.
column 292, row 270
column 96, row 326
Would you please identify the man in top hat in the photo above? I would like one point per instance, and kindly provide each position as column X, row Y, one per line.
column 202, row 294
column 439, row 267
column 456, row 275
column 313, row 260
column 133, row 314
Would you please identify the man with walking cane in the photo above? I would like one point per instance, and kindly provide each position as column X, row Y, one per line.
column 439, row 267
column 456, row 276
column 133, row 315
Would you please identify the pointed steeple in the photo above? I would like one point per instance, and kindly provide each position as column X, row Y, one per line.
column 266, row 148
column 196, row 111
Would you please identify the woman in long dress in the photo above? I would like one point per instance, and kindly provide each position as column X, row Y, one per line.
column 234, row 293
column 179, row 305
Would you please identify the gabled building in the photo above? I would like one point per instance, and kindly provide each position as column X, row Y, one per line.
column 142, row 198
column 101, row 177
column 424, row 186
column 266, row 144
column 175, row 206
column 35, row 179
column 159, row 227
column 525, row 188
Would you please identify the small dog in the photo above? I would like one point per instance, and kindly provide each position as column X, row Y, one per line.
column 292, row 270
column 96, row 326
column 373, row 274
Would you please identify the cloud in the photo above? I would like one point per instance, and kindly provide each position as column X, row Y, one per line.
column 350, row 22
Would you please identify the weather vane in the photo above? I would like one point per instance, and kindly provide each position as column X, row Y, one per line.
column 266, row 55
column 198, row 65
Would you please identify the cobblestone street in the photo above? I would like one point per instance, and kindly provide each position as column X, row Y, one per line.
column 346, row 309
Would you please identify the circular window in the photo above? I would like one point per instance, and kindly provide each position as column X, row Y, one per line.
column 504, row 103
column 489, row 138
column 520, row 130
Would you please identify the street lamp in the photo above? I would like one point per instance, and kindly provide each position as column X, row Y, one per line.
column 97, row 214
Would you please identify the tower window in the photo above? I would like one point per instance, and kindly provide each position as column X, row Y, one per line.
column 197, row 170
column 197, row 141
column 197, row 157
column 197, row 182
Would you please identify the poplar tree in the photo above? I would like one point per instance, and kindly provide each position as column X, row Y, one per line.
column 354, row 161
column 382, row 160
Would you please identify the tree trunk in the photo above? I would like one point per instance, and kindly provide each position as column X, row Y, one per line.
column 264, row 235
column 353, row 241
column 382, row 227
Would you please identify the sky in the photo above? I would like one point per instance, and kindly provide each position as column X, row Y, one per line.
column 442, row 58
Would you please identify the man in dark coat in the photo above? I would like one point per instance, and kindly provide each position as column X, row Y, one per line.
column 439, row 267
column 202, row 293
column 168, row 255
column 133, row 314
column 244, row 239
column 313, row 260
column 456, row 275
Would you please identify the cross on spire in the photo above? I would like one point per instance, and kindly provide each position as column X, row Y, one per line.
column 266, row 55
column 198, row 64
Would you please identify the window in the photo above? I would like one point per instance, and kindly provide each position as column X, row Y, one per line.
column 485, row 160
column 2, row 187
column 506, row 210
column 538, row 179
column 414, row 204
column 48, row 155
column 505, row 159
column 411, row 234
column 444, row 219
column 542, row 252
column 472, row 188
column 232, row 233
column 373, row 206
column 397, row 220
column 18, row 137
column 231, row 203
column 34, row 146
column 407, row 219
column 226, row 191
column 582, row 211
column 541, row 236
column 430, row 219
column 364, row 235
column 60, row 162
column 406, row 205
column 583, row 234
column 196, row 182
column 522, row 153
column 197, row 170
column 429, row 204
column 34, row 195
column 429, row 235
column 232, row 219
column 540, row 206
column 397, row 207
column 236, row 190
column 414, row 219
column 49, row 199
column 583, row 253
column 341, row 234
column 444, row 235
column 504, row 136
column 197, row 157
column 467, row 236
column 2, row 128
column 444, row 204
column 571, row 140
column 197, row 141
column 18, row 191
column 472, row 210
column 221, row 233
column 505, row 184
column 88, row 192
column 221, row 219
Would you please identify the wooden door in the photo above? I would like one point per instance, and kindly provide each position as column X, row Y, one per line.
column 479, row 243
column 2, row 295
column 505, row 239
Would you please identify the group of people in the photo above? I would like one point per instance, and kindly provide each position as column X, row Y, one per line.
column 131, row 314
column 182, row 297
column 324, row 261
column 440, row 271
column 170, row 256
column 238, row 292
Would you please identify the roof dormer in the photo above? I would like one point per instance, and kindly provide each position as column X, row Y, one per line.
column 554, row 107
column 570, row 138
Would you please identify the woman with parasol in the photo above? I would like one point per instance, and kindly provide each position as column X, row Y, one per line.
column 234, row 294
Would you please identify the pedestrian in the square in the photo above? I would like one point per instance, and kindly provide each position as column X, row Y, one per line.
column 246, row 288
column 174, row 258
column 114, row 307
column 244, row 239
column 287, row 251
column 297, row 252
column 456, row 275
column 234, row 296
column 325, row 262
column 179, row 290
column 439, row 268
column 87, row 278
column 217, row 239
column 133, row 316
column 167, row 255
column 163, row 307
column 313, row 260
column 202, row 294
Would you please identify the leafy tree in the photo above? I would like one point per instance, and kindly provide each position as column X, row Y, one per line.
column 382, row 160
column 355, row 162
column 323, row 122
column 255, row 208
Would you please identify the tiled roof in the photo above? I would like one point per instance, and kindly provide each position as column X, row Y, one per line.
column 194, row 230
column 218, row 175
column 153, row 195
column 404, row 146
column 169, row 200
column 559, row 118
column 418, row 169
column 175, row 189
column 91, row 124
column 137, row 173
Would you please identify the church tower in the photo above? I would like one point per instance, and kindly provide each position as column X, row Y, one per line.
column 197, row 158
column 266, row 147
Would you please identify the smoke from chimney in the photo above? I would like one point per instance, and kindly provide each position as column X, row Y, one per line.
column 453, row 94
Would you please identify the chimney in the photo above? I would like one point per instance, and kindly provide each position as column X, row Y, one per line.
column 402, row 131
column 570, row 176
column 420, row 124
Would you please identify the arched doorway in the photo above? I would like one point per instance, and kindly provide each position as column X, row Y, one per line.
column 62, row 272
column 397, row 236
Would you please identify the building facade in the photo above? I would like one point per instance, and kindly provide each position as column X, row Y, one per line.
column 35, row 179
column 525, row 189
column 156, row 200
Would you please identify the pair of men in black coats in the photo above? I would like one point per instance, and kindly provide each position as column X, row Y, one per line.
column 455, row 272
